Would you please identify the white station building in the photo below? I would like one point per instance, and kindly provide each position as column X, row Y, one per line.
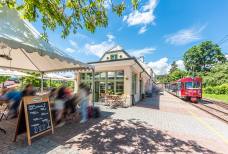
column 119, row 73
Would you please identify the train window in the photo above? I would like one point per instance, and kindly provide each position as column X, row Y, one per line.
column 189, row 85
column 179, row 85
column 196, row 85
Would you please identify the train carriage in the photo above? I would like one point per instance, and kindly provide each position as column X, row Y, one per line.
column 187, row 88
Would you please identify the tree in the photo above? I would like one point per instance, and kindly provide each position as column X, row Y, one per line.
column 203, row 56
column 69, row 15
column 217, row 76
column 177, row 74
column 3, row 78
column 172, row 76
column 174, row 67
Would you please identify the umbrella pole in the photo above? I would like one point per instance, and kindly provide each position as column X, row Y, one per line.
column 42, row 82
column 93, row 87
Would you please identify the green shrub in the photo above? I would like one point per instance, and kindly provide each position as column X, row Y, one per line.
column 209, row 90
column 223, row 89
column 216, row 90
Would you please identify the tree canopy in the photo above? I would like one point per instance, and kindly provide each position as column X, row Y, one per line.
column 172, row 76
column 69, row 15
column 174, row 67
column 202, row 57
column 217, row 76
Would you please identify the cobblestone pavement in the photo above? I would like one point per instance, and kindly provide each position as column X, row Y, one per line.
column 163, row 124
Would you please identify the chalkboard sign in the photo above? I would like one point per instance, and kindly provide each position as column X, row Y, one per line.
column 39, row 117
column 34, row 117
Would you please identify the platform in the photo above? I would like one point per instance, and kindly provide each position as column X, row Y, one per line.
column 160, row 124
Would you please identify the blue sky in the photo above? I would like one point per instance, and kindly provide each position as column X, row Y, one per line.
column 160, row 30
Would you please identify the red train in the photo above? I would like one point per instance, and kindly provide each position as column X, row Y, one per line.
column 187, row 88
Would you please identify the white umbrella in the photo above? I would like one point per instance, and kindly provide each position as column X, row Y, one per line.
column 57, row 77
column 12, row 73
column 21, row 48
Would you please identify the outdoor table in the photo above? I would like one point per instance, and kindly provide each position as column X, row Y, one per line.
column 113, row 99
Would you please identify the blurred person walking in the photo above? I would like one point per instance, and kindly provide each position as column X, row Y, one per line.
column 83, row 96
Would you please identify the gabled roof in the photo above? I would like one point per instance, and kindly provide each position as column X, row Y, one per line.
column 114, row 50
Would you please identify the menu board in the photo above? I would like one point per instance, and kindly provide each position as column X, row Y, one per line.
column 39, row 117
column 34, row 117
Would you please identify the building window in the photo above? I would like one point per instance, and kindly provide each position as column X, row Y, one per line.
column 121, row 56
column 120, row 87
column 107, row 58
column 111, row 75
column 97, row 76
column 120, row 75
column 114, row 57
column 110, row 88
column 82, row 76
column 89, row 76
column 134, row 83
column 103, row 75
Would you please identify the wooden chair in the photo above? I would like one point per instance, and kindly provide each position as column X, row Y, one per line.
column 4, row 105
column 103, row 98
column 122, row 100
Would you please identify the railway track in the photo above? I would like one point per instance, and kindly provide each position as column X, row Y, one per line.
column 213, row 110
column 221, row 104
column 216, row 109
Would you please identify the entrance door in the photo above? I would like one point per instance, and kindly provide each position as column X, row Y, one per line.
column 140, row 89
column 99, row 88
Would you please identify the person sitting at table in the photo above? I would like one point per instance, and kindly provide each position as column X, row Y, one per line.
column 14, row 97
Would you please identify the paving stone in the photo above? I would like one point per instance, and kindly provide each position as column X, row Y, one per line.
column 162, row 124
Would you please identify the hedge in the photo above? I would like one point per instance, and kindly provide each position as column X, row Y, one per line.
column 222, row 89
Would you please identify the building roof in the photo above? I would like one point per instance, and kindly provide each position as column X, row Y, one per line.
column 124, row 59
column 114, row 50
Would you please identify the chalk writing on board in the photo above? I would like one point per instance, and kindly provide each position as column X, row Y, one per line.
column 39, row 117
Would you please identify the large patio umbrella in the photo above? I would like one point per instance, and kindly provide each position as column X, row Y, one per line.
column 21, row 48
column 12, row 73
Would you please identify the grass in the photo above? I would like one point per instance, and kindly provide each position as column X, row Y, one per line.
column 223, row 98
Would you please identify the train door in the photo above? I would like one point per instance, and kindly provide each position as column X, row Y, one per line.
column 179, row 89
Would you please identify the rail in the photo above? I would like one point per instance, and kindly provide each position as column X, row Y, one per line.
column 216, row 109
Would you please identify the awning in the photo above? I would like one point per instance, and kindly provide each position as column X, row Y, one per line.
column 21, row 47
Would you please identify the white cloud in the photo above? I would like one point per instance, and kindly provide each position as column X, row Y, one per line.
column 226, row 57
column 185, row 36
column 110, row 37
column 180, row 64
column 107, row 4
column 73, row 48
column 142, row 30
column 99, row 49
column 73, row 44
column 142, row 52
column 143, row 17
column 70, row 50
column 161, row 66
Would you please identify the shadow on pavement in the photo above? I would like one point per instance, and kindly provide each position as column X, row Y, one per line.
column 47, row 142
column 150, row 102
column 132, row 136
